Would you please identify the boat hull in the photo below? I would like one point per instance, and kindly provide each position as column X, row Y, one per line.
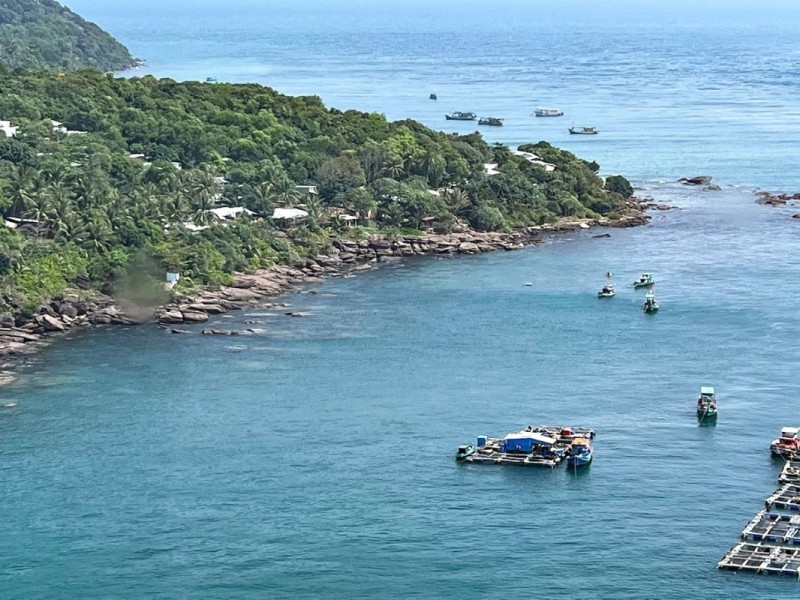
column 640, row 284
column 577, row 132
column 606, row 295
column 703, row 414
column 579, row 461
column 455, row 118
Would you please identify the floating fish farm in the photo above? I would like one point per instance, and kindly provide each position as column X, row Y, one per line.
column 771, row 541
column 545, row 446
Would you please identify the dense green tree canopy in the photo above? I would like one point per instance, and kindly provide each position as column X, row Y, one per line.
column 45, row 34
column 105, row 169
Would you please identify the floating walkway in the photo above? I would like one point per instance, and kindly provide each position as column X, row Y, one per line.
column 772, row 538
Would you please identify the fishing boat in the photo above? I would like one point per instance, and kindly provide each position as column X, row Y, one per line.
column 433, row 97
column 548, row 112
column 460, row 116
column 786, row 445
column 211, row 79
column 464, row 451
column 583, row 131
column 494, row 121
column 706, row 404
column 608, row 290
column 650, row 304
column 580, row 452
column 645, row 280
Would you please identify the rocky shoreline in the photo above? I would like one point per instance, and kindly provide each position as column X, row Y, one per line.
column 22, row 337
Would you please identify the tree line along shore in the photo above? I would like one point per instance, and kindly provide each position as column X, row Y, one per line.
column 111, row 182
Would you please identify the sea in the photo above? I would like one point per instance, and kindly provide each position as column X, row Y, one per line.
column 314, row 457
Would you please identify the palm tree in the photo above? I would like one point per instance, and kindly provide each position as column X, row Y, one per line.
column 458, row 200
column 394, row 167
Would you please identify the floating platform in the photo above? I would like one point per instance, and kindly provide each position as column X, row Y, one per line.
column 786, row 497
column 791, row 472
column 773, row 528
column 762, row 558
column 493, row 457
column 545, row 446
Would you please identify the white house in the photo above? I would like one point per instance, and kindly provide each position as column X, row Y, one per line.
column 8, row 129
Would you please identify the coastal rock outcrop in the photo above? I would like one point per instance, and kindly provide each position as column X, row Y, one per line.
column 697, row 180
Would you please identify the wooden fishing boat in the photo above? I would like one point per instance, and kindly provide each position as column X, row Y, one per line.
column 788, row 444
column 583, row 131
column 464, row 451
column 493, row 121
column 706, row 404
column 580, row 452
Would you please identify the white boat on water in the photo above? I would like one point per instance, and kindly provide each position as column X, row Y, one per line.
column 548, row 112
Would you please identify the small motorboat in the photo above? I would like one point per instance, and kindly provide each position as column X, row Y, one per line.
column 580, row 452
column 457, row 115
column 608, row 290
column 650, row 304
column 494, row 121
column 645, row 280
column 548, row 112
column 583, row 131
column 433, row 97
column 211, row 79
column 706, row 404
column 788, row 444
column 464, row 451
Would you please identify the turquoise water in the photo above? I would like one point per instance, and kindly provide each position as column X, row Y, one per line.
column 315, row 460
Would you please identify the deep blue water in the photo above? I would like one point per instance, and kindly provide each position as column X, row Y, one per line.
column 315, row 459
column 676, row 90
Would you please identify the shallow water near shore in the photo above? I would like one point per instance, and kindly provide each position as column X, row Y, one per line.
column 316, row 459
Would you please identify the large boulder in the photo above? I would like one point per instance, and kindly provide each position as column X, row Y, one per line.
column 194, row 316
column 50, row 323
column 171, row 316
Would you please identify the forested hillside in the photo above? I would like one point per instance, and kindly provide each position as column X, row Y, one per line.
column 132, row 169
column 45, row 34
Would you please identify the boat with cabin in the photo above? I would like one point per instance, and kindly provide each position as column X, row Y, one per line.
column 645, row 280
column 788, row 444
column 493, row 121
column 458, row 115
column 583, row 130
column 580, row 452
column 706, row 404
column 608, row 290
column 464, row 451
column 650, row 303
column 433, row 97
column 548, row 112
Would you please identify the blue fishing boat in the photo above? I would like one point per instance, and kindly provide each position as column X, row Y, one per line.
column 580, row 452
